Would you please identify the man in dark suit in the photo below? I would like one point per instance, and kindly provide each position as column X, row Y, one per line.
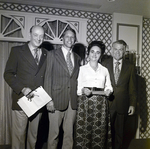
column 24, row 72
column 61, row 84
column 123, row 100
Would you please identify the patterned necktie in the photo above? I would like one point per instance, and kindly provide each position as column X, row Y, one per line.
column 36, row 56
column 69, row 63
column 117, row 72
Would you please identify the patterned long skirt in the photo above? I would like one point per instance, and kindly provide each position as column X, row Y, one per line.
column 93, row 129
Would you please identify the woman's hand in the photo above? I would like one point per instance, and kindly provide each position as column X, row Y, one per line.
column 108, row 92
column 86, row 91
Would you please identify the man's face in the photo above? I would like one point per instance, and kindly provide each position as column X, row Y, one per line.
column 37, row 36
column 68, row 39
column 118, row 51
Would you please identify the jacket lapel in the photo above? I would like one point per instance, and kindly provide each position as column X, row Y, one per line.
column 27, row 55
column 123, row 71
column 43, row 57
column 60, row 58
column 111, row 71
column 75, row 63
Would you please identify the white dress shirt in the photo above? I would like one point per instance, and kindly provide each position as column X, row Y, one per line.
column 90, row 78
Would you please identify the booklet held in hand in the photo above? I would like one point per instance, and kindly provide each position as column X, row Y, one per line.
column 39, row 100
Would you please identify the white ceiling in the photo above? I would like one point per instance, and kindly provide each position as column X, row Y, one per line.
column 137, row 7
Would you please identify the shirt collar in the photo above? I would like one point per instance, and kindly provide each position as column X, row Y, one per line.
column 32, row 48
column 65, row 51
column 114, row 61
column 99, row 65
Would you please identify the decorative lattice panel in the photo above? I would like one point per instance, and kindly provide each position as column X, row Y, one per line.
column 144, row 100
column 100, row 30
column 99, row 25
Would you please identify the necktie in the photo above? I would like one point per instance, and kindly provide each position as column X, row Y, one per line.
column 117, row 72
column 69, row 63
column 36, row 56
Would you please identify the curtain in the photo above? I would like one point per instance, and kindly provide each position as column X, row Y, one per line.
column 5, row 95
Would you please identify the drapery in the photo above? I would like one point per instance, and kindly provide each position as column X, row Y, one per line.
column 5, row 95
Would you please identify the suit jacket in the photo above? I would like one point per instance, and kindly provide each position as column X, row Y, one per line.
column 22, row 71
column 58, row 83
column 124, row 94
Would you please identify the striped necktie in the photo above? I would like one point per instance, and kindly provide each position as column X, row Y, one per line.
column 36, row 56
column 117, row 72
column 69, row 63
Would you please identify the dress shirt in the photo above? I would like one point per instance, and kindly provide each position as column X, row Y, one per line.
column 90, row 78
column 33, row 52
column 114, row 64
column 65, row 51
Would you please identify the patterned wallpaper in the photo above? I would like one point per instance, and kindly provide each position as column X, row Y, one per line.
column 99, row 26
column 144, row 86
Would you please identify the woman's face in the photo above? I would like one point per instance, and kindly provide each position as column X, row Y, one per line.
column 95, row 53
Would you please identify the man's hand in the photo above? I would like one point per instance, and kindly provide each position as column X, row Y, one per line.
column 131, row 110
column 28, row 93
column 50, row 106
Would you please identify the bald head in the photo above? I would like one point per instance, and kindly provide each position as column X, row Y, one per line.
column 37, row 27
column 36, row 36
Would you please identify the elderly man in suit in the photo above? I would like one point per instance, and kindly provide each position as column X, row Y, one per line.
column 123, row 100
column 24, row 72
column 61, row 84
